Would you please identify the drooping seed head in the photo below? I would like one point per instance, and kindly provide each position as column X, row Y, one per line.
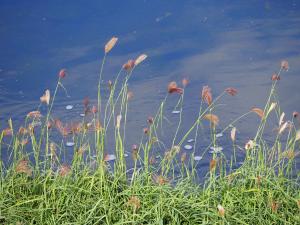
column 258, row 111
column 212, row 118
column 231, row 91
column 172, row 88
column 129, row 65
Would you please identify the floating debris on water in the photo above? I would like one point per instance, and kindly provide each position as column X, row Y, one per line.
column 190, row 140
column 219, row 135
column 175, row 111
column 70, row 144
column 125, row 155
column 197, row 158
column 216, row 149
column 109, row 157
column 188, row 147
column 69, row 107
column 82, row 114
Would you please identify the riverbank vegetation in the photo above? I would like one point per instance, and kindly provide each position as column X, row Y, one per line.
column 98, row 187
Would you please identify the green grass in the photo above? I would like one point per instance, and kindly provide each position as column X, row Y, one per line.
column 42, row 190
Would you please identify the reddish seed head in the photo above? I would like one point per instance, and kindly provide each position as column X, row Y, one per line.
column 185, row 82
column 62, row 73
column 212, row 164
column 23, row 167
column 160, row 180
column 129, row 65
column 134, row 202
column 134, row 147
column 172, row 88
column 34, row 114
column 285, row 65
column 152, row 160
column 150, row 120
column 274, row 206
column 146, row 130
column 49, row 124
column 23, row 131
column 275, row 77
column 64, row 170
column 24, row 141
column 231, row 91
column 98, row 126
column 206, row 95
column 94, row 109
column 7, row 132
column 295, row 114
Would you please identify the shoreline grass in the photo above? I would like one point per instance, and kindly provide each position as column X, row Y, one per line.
column 38, row 188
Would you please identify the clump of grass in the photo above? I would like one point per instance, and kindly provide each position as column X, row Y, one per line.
column 39, row 187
